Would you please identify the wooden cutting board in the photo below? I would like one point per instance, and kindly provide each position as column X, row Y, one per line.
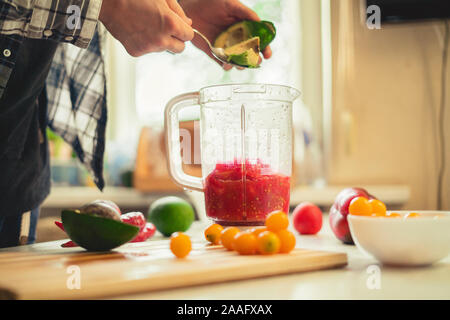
column 142, row 267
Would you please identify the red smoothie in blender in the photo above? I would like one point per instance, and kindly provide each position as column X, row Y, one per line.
column 243, row 194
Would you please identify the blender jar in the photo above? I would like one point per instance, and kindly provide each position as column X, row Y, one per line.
column 246, row 150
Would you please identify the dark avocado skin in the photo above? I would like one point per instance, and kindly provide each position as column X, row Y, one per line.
column 265, row 30
column 95, row 233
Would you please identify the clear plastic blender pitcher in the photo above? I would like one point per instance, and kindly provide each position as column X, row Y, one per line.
column 246, row 150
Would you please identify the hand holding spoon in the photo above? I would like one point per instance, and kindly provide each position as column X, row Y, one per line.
column 219, row 53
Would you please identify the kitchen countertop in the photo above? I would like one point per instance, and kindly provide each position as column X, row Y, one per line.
column 66, row 197
column 358, row 280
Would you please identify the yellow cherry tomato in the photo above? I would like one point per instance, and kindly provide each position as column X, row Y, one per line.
column 212, row 233
column 412, row 215
column 257, row 231
column 378, row 207
column 360, row 206
column 276, row 221
column 394, row 215
column 180, row 244
column 287, row 240
column 245, row 243
column 268, row 243
column 227, row 237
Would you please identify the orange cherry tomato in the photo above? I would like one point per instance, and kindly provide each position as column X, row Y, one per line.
column 412, row 215
column 378, row 207
column 227, row 237
column 213, row 232
column 394, row 215
column 276, row 221
column 287, row 240
column 268, row 243
column 360, row 206
column 245, row 243
column 180, row 244
column 257, row 231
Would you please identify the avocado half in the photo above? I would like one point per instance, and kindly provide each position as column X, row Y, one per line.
column 95, row 233
column 245, row 53
column 245, row 30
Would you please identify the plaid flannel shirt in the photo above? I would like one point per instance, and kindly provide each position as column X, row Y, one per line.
column 76, row 84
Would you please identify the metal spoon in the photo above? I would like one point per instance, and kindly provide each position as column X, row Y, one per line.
column 219, row 53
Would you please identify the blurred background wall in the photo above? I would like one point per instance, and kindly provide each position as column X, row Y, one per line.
column 385, row 104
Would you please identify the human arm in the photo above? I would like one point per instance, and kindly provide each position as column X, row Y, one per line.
column 142, row 26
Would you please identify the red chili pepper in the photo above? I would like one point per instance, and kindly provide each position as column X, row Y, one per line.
column 134, row 218
column 145, row 233
column 69, row 244
column 60, row 225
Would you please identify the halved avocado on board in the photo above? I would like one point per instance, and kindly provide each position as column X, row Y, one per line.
column 245, row 30
column 95, row 233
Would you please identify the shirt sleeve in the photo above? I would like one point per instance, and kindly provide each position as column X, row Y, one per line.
column 72, row 21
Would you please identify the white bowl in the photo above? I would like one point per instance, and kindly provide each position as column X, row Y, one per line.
column 404, row 242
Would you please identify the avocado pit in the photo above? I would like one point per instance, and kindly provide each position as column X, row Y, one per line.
column 101, row 208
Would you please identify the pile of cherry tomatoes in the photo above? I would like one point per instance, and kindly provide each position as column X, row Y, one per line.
column 271, row 239
column 361, row 206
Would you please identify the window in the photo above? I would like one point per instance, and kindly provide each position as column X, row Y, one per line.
column 139, row 88
column 160, row 77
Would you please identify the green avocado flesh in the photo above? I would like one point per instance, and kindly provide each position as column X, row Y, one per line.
column 244, row 53
column 245, row 30
column 95, row 233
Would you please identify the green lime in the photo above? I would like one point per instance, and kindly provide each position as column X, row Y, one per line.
column 171, row 214
column 95, row 233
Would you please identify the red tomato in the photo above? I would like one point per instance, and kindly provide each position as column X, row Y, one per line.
column 307, row 218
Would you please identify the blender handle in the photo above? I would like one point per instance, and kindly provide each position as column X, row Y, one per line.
column 172, row 133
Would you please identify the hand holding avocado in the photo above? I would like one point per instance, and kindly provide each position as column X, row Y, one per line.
column 243, row 41
column 214, row 17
